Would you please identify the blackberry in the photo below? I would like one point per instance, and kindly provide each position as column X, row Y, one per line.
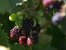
column 36, row 28
column 27, row 25
column 15, row 33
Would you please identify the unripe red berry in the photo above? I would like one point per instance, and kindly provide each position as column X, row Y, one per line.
column 29, row 41
column 22, row 40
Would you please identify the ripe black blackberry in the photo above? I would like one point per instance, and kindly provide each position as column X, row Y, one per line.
column 58, row 4
column 27, row 25
column 36, row 28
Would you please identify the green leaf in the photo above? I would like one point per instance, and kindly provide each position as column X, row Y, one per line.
column 42, row 21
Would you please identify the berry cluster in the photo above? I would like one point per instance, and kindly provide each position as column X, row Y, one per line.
column 52, row 4
column 28, row 34
column 59, row 7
